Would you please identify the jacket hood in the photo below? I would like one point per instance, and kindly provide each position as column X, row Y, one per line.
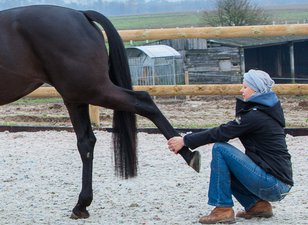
column 267, row 103
column 266, row 99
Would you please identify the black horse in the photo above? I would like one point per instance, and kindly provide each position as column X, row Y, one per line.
column 65, row 48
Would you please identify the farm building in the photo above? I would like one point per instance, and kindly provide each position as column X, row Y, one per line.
column 225, row 60
column 284, row 58
column 155, row 65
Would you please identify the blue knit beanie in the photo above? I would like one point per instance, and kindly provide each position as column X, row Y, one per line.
column 259, row 81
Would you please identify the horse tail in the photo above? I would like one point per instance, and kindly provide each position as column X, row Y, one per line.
column 124, row 123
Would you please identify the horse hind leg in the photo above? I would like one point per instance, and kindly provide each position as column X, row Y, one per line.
column 79, row 114
column 141, row 103
column 147, row 108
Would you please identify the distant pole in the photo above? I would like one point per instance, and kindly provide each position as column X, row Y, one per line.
column 242, row 61
column 292, row 66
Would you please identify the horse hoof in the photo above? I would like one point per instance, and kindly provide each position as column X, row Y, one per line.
column 195, row 162
column 80, row 215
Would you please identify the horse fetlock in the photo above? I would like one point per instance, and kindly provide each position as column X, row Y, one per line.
column 85, row 198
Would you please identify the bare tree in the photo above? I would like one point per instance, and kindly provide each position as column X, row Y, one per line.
column 235, row 13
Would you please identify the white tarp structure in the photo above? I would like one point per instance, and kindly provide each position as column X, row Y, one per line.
column 155, row 65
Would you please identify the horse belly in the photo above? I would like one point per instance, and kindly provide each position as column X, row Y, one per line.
column 12, row 88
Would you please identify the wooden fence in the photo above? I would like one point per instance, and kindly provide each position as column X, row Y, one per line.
column 200, row 32
column 214, row 32
column 181, row 90
column 192, row 90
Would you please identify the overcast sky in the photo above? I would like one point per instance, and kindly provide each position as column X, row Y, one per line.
column 135, row 7
column 257, row 1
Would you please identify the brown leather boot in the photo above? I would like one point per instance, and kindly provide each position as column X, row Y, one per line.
column 260, row 209
column 219, row 215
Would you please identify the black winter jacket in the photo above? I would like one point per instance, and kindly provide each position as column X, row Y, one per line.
column 259, row 125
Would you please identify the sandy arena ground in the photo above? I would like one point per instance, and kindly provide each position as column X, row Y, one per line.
column 40, row 180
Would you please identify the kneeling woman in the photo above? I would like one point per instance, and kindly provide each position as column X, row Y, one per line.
column 260, row 175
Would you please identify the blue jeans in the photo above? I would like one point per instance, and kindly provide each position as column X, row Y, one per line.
column 234, row 173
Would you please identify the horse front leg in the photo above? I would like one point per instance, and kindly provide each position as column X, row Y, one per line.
column 147, row 108
column 79, row 115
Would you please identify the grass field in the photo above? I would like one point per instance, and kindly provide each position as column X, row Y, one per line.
column 185, row 19
column 289, row 15
column 194, row 19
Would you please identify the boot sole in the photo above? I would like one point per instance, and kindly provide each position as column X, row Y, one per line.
column 257, row 215
column 229, row 221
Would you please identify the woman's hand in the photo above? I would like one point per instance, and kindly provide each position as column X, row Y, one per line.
column 175, row 144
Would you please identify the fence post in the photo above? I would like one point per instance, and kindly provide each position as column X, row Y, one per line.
column 94, row 115
column 186, row 78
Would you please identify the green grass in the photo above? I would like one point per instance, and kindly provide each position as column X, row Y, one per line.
column 8, row 124
column 38, row 100
column 304, row 97
column 289, row 15
column 150, row 21
column 194, row 19
column 195, row 125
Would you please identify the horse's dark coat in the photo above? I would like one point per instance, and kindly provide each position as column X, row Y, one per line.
column 64, row 48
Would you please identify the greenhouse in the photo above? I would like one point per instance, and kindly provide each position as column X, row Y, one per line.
column 155, row 65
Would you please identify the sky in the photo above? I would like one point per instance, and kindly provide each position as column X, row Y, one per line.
column 259, row 2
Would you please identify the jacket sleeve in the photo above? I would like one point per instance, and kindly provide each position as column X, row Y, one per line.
column 222, row 133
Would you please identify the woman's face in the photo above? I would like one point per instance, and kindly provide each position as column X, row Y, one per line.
column 246, row 92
